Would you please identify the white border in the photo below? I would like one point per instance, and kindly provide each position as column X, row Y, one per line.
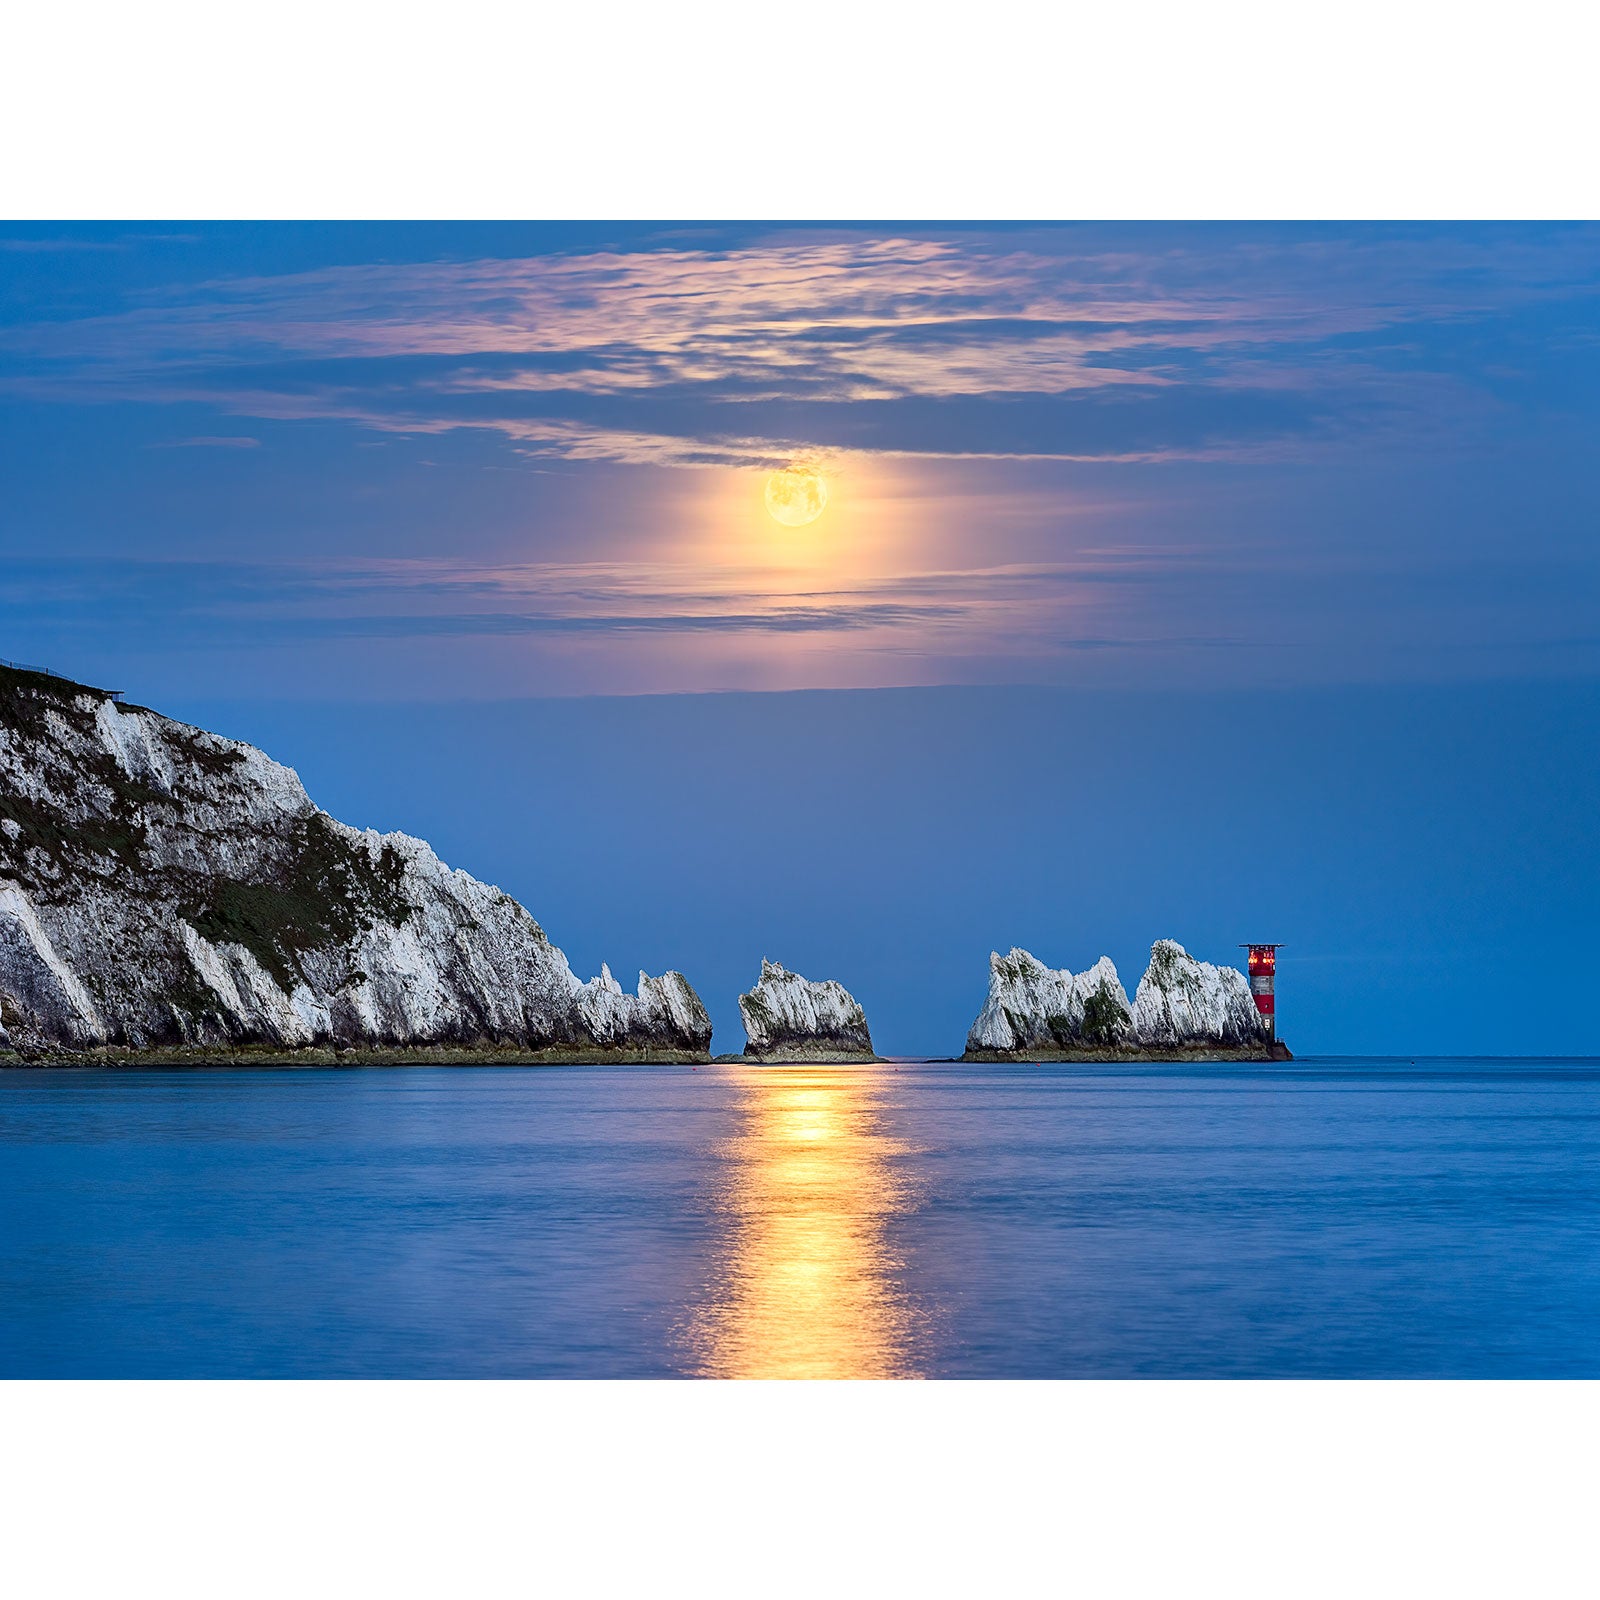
column 767, row 1490
column 832, row 111
column 1372, row 108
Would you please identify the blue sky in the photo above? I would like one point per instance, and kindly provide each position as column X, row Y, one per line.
column 327, row 481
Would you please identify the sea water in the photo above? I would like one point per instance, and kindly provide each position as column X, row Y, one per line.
column 1358, row 1218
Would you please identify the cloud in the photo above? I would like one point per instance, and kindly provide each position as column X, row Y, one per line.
column 52, row 246
column 69, row 244
column 206, row 441
column 779, row 619
column 207, row 601
column 1194, row 614
column 1230, row 347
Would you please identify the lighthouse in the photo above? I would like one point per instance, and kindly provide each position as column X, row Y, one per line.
column 1263, row 967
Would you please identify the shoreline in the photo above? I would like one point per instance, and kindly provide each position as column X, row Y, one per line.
column 799, row 1056
column 1276, row 1051
column 210, row 1056
column 354, row 1056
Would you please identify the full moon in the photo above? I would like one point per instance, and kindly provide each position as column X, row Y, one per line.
column 796, row 496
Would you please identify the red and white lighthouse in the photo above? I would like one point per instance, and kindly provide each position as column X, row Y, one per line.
column 1263, row 968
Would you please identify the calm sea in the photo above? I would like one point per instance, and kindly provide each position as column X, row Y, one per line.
column 1326, row 1217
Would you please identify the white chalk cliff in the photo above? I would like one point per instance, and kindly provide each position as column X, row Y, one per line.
column 162, row 887
column 1183, row 1002
column 1181, row 1005
column 1032, row 1007
column 787, row 1015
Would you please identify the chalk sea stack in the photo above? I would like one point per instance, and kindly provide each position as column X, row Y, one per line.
column 1034, row 1010
column 789, row 1018
column 167, row 894
column 1183, row 1009
column 1184, row 1004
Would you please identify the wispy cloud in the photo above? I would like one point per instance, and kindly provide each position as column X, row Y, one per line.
column 1203, row 613
column 208, row 441
column 436, row 598
column 53, row 246
column 925, row 346
column 78, row 244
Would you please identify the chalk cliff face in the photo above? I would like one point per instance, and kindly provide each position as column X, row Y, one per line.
column 1181, row 1001
column 787, row 1016
column 163, row 888
column 1032, row 1007
column 1182, row 1006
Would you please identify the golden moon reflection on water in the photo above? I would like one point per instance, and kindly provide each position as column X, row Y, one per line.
column 809, row 1284
column 796, row 496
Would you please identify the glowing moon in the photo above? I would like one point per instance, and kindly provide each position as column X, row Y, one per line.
column 796, row 496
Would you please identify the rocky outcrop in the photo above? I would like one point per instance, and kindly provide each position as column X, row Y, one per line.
column 1185, row 1004
column 170, row 893
column 1183, row 1008
column 1033, row 1009
column 788, row 1018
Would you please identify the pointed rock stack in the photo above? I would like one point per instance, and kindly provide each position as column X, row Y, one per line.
column 1184, row 1004
column 1183, row 1008
column 789, row 1018
column 1034, row 1010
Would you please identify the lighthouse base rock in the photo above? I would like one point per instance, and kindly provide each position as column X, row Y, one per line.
column 1184, row 1009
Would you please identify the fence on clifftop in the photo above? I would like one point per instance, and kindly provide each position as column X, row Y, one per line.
column 28, row 666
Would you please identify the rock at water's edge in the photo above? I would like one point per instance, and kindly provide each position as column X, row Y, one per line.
column 1182, row 1008
column 168, row 893
column 1033, row 1009
column 1185, row 1003
column 787, row 1017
